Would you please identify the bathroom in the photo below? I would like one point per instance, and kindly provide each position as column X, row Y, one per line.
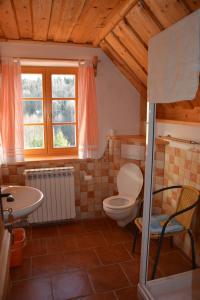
column 88, row 255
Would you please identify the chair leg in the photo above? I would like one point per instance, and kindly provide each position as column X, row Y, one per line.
column 193, row 249
column 157, row 256
column 135, row 235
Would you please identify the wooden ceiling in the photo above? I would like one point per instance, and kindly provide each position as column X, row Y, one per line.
column 122, row 28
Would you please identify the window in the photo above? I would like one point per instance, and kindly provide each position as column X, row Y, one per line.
column 50, row 110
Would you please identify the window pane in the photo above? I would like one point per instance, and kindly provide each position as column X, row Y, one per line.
column 63, row 111
column 64, row 136
column 33, row 111
column 34, row 137
column 63, row 86
column 32, row 85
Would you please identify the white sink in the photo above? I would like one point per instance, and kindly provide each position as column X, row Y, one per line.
column 27, row 199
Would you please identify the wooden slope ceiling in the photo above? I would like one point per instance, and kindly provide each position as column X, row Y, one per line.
column 122, row 28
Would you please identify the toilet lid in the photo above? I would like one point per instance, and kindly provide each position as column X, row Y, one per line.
column 129, row 180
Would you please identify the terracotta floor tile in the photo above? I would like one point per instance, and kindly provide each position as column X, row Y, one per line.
column 104, row 296
column 166, row 247
column 91, row 239
column 74, row 228
column 28, row 232
column 131, row 268
column 112, row 223
column 47, row 264
column 44, row 231
column 153, row 247
column 127, row 293
column 128, row 246
column 71, row 285
column 173, row 263
column 96, row 224
column 81, row 259
column 34, row 289
column 117, row 236
column 108, row 278
column 112, row 254
column 22, row 272
column 61, row 244
column 35, row 247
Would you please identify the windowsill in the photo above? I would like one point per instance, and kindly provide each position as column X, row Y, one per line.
column 51, row 158
column 41, row 159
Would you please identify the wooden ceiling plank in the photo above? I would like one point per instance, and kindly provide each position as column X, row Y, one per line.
column 23, row 14
column 192, row 4
column 92, row 19
column 123, row 8
column 167, row 12
column 141, row 21
column 125, row 55
column 8, row 21
column 181, row 114
column 63, row 19
column 41, row 11
column 127, row 36
column 123, row 67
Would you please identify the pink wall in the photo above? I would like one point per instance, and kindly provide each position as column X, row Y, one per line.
column 118, row 100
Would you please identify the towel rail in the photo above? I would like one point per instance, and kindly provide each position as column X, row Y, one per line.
column 171, row 138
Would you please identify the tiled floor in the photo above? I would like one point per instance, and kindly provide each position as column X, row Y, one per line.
column 88, row 260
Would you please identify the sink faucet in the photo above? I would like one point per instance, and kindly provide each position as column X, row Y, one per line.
column 9, row 197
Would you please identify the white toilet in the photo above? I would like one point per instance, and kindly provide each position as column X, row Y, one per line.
column 123, row 207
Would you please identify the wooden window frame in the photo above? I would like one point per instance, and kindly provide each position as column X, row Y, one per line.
column 47, row 98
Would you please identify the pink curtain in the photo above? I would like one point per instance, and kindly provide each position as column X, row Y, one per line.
column 11, row 114
column 87, row 113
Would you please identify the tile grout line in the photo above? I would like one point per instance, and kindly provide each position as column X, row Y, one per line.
column 129, row 281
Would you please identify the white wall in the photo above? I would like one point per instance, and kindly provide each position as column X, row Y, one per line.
column 183, row 131
column 118, row 100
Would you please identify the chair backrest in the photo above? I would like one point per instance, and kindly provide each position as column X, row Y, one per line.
column 188, row 197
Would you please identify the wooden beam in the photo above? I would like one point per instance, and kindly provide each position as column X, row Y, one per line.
column 124, row 8
column 126, row 56
column 8, row 21
column 28, row 41
column 129, row 39
column 143, row 114
column 23, row 14
column 41, row 11
column 123, row 67
column 179, row 114
column 167, row 12
column 141, row 21
column 63, row 19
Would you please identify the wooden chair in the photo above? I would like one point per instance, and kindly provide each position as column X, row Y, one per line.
column 170, row 225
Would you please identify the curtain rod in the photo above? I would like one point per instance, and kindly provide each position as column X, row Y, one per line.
column 171, row 138
column 94, row 60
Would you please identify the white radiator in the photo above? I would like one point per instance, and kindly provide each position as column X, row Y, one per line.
column 57, row 185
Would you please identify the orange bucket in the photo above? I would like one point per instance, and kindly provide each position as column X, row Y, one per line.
column 18, row 243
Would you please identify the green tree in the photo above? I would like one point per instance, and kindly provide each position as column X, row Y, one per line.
column 60, row 140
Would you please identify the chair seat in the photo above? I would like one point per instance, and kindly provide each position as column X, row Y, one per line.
column 157, row 223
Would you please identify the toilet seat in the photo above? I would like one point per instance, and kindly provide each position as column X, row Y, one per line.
column 129, row 180
column 118, row 202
